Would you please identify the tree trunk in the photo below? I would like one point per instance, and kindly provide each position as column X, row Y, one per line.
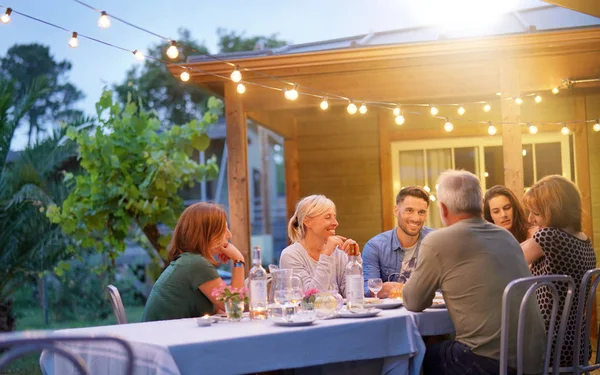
column 153, row 235
column 7, row 319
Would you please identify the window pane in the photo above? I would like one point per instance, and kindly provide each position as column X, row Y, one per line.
column 466, row 158
column 494, row 166
column 437, row 162
column 548, row 159
column 412, row 171
column 528, row 177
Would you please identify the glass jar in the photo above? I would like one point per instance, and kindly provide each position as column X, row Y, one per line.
column 325, row 304
column 234, row 310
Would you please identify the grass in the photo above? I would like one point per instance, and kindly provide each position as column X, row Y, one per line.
column 33, row 319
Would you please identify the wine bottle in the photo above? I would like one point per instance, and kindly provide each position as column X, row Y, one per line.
column 258, row 287
column 354, row 281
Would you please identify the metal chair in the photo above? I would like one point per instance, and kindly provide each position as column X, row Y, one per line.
column 23, row 343
column 532, row 284
column 117, row 304
column 585, row 304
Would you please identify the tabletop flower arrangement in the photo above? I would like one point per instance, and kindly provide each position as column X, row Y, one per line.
column 234, row 300
column 308, row 302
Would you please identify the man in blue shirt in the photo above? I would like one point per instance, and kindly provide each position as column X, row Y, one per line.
column 392, row 255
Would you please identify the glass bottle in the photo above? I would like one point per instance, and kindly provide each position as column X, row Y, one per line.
column 258, row 287
column 354, row 281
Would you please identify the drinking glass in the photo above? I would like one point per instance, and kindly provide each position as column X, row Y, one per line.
column 375, row 285
column 283, row 297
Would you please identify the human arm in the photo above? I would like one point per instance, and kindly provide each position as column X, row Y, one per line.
column 531, row 250
column 229, row 253
column 292, row 258
column 419, row 290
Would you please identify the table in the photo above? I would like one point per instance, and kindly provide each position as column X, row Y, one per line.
column 177, row 347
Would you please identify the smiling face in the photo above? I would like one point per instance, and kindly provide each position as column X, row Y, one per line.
column 323, row 225
column 411, row 214
column 502, row 211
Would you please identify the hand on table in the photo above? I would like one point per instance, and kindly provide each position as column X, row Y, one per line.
column 388, row 287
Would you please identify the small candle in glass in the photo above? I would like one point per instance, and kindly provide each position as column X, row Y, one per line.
column 205, row 321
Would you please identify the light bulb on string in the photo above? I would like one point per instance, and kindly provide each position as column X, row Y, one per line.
column 432, row 198
column 185, row 76
column 448, row 126
column 5, row 18
column 486, row 174
column 499, row 93
column 138, row 55
column 236, row 75
column 351, row 108
column 74, row 41
column 519, row 101
column 461, row 110
column 427, row 189
column 596, row 126
column 291, row 94
column 396, row 111
column 172, row 51
column 492, row 129
column 399, row 119
column 565, row 130
column 324, row 104
column 104, row 21
column 362, row 109
column 434, row 111
column 241, row 88
column 555, row 90
column 538, row 99
column 533, row 129
column 524, row 152
column 487, row 107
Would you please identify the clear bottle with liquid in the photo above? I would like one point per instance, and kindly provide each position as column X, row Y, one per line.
column 354, row 281
column 258, row 287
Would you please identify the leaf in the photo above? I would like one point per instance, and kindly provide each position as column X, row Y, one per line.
column 200, row 142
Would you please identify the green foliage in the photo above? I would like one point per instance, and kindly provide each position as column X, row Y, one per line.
column 131, row 175
column 231, row 41
column 24, row 64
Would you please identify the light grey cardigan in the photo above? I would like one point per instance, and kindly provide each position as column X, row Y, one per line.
column 326, row 274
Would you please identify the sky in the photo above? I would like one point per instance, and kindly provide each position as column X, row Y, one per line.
column 96, row 66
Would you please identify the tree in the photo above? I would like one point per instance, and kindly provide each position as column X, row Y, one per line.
column 132, row 172
column 231, row 41
column 30, row 243
column 26, row 63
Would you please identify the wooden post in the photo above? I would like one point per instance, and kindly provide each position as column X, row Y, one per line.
column 512, row 144
column 582, row 165
column 292, row 173
column 237, row 171
column 385, row 170
column 265, row 196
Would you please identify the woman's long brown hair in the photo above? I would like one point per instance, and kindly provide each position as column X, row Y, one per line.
column 520, row 225
column 198, row 229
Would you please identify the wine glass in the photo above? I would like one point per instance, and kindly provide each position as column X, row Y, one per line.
column 375, row 285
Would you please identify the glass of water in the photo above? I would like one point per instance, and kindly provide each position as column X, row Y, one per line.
column 375, row 285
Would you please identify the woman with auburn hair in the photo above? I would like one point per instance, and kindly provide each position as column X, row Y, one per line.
column 559, row 247
column 184, row 288
column 501, row 207
column 317, row 255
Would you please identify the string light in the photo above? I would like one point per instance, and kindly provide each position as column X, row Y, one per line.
column 448, row 126
column 533, row 129
column 519, row 101
column 5, row 18
column 399, row 119
column 241, row 88
column 138, row 55
column 362, row 109
column 432, row 198
column 434, row 111
column 564, row 130
column 104, row 21
column 461, row 110
column 538, row 99
column 487, row 108
column 492, row 129
column 172, row 51
column 185, row 76
column 351, row 108
column 499, row 93
column 486, row 174
column 524, row 152
column 324, row 105
column 236, row 75
column 73, row 42
column 426, row 188
column 291, row 94
column 396, row 111
column 596, row 126
column 555, row 90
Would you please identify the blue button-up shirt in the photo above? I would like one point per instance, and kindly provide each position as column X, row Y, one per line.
column 383, row 255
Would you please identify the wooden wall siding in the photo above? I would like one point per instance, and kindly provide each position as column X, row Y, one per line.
column 339, row 157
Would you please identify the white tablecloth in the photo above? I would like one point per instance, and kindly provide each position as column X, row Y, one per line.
column 181, row 347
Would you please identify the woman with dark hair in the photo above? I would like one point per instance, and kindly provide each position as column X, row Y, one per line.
column 184, row 288
column 501, row 207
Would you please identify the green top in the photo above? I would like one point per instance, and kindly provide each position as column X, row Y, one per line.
column 175, row 294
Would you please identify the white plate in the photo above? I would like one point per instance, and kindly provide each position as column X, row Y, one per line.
column 294, row 323
column 363, row 314
column 385, row 304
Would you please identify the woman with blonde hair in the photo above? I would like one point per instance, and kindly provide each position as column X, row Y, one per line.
column 501, row 207
column 184, row 288
column 559, row 247
column 317, row 255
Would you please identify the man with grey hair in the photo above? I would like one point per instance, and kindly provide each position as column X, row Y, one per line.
column 471, row 261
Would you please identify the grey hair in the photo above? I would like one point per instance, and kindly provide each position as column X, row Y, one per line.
column 460, row 191
column 310, row 206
